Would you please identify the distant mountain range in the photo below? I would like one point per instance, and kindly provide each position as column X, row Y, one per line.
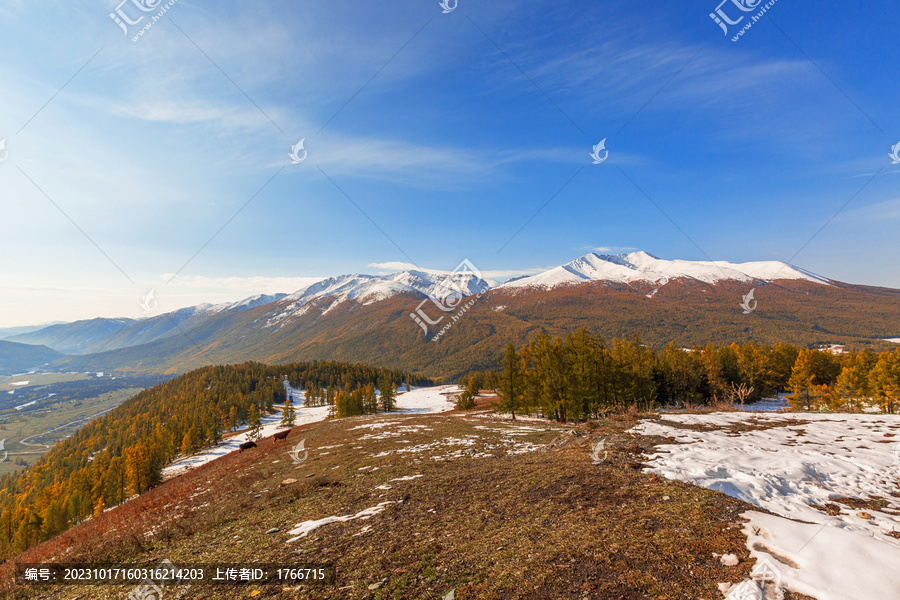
column 21, row 358
column 380, row 319
column 6, row 332
column 97, row 335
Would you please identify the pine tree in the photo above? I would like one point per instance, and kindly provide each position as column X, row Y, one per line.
column 530, row 380
column 885, row 380
column 369, row 399
column 254, row 424
column 386, row 388
column 215, row 430
column 511, row 382
column 853, row 385
column 578, row 361
column 288, row 416
column 140, row 471
column 465, row 401
column 810, row 379
column 232, row 417
column 682, row 375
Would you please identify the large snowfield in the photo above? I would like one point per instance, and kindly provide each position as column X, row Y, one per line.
column 788, row 463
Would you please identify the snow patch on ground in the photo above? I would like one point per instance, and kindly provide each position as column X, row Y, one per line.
column 417, row 401
column 306, row 527
column 792, row 464
column 271, row 425
column 427, row 399
column 829, row 562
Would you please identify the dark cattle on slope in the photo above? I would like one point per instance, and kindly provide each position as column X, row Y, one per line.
column 281, row 435
column 247, row 446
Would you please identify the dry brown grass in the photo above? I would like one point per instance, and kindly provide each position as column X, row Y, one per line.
column 486, row 522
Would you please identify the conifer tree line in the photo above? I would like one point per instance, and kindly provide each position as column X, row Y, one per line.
column 123, row 453
column 351, row 391
column 582, row 376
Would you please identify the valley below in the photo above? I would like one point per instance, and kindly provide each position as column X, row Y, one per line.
column 39, row 409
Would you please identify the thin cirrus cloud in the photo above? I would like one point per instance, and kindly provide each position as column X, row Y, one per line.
column 393, row 266
column 255, row 284
column 621, row 75
column 611, row 249
column 889, row 210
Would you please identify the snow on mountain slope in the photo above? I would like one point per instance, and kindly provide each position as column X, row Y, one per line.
column 246, row 303
column 367, row 289
column 644, row 267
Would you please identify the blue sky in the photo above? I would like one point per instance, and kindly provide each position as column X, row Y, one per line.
column 448, row 131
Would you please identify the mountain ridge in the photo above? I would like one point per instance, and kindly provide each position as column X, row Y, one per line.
column 644, row 267
column 102, row 333
column 372, row 318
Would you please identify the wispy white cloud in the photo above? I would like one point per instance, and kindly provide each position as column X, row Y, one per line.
column 609, row 249
column 872, row 214
column 392, row 267
column 251, row 285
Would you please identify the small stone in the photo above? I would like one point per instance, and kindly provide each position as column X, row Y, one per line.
column 288, row 481
column 310, row 475
column 666, row 498
column 451, row 595
column 273, row 530
column 730, row 560
column 378, row 584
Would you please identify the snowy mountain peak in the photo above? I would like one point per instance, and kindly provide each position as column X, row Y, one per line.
column 644, row 267
column 367, row 289
column 636, row 266
column 247, row 303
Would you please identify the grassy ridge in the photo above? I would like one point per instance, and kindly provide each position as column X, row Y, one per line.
column 485, row 518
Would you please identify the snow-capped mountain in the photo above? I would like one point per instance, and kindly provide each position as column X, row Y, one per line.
column 245, row 304
column 372, row 318
column 368, row 289
column 621, row 268
column 644, row 267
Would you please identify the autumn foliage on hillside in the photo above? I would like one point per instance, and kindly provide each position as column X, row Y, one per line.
column 122, row 454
